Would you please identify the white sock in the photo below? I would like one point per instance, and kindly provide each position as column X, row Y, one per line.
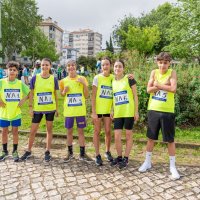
column 173, row 170
column 148, row 157
column 172, row 161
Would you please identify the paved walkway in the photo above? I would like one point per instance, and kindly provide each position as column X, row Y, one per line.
column 35, row 179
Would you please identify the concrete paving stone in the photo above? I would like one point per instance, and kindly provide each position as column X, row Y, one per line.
column 79, row 180
column 134, row 197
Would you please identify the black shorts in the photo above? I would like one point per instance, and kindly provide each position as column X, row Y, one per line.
column 161, row 121
column 38, row 117
column 103, row 115
column 126, row 122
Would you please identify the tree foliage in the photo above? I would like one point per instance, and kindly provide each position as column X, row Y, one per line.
column 19, row 19
column 184, row 33
column 40, row 47
column 141, row 39
column 88, row 62
column 109, row 46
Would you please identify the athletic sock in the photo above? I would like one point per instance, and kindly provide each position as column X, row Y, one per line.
column 5, row 149
column 82, row 151
column 15, row 147
column 148, row 157
column 70, row 149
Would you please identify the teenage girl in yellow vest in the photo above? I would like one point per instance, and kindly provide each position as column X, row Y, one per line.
column 161, row 87
column 43, row 100
column 75, row 90
column 101, row 107
column 13, row 93
column 125, row 104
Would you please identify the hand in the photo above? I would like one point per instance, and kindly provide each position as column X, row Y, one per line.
column 112, row 115
column 156, row 84
column 136, row 117
column 94, row 117
column 31, row 112
column 130, row 76
column 2, row 104
column 56, row 113
column 66, row 89
column 81, row 80
column 21, row 102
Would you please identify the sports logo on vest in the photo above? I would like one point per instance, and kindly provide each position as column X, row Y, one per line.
column 44, row 98
column 74, row 99
column 12, row 94
column 121, row 98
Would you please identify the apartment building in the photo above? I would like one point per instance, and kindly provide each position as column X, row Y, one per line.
column 86, row 41
column 51, row 29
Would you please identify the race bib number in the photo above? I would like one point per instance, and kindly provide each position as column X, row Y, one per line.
column 160, row 95
column 121, row 98
column 44, row 98
column 74, row 100
column 12, row 95
column 106, row 92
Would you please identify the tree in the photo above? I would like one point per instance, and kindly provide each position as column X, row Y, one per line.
column 160, row 17
column 19, row 19
column 40, row 47
column 87, row 62
column 123, row 25
column 141, row 39
column 185, row 30
column 109, row 46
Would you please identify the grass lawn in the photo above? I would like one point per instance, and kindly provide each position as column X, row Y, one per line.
column 190, row 135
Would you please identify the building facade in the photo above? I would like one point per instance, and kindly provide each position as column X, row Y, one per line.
column 51, row 29
column 86, row 41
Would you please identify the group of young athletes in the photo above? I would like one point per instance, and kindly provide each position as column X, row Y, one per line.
column 114, row 98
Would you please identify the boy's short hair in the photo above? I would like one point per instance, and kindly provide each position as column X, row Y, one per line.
column 12, row 64
column 164, row 56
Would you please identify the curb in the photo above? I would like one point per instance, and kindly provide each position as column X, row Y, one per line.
column 141, row 141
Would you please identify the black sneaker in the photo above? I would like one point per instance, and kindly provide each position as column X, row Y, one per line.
column 69, row 157
column 116, row 161
column 4, row 155
column 15, row 156
column 98, row 160
column 108, row 156
column 123, row 164
column 26, row 155
column 47, row 156
column 85, row 158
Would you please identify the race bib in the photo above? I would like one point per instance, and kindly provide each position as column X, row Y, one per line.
column 121, row 98
column 106, row 92
column 12, row 95
column 44, row 98
column 160, row 95
column 74, row 100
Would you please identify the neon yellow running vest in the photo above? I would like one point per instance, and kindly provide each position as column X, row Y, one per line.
column 123, row 99
column 104, row 96
column 74, row 103
column 44, row 97
column 161, row 100
column 11, row 95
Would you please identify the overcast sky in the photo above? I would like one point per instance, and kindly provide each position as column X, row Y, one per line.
column 98, row 15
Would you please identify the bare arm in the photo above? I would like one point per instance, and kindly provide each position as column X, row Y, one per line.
column 56, row 98
column 150, row 86
column 169, row 87
column 23, row 100
column 134, row 90
column 31, row 102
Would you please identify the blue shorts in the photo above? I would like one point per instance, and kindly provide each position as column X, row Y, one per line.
column 6, row 123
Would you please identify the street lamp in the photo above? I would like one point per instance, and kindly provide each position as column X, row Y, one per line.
column 1, row 60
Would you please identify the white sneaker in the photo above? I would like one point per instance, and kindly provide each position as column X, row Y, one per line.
column 144, row 167
column 174, row 172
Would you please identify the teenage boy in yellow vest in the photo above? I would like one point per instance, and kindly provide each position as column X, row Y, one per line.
column 75, row 90
column 162, row 86
column 13, row 93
